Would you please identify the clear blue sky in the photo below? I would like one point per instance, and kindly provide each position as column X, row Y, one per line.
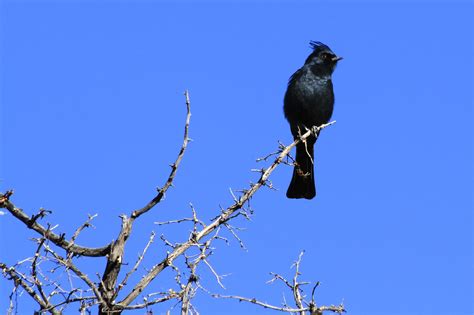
column 92, row 113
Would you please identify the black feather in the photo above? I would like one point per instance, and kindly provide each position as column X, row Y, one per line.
column 318, row 46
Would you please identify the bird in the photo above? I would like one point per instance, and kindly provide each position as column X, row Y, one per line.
column 309, row 102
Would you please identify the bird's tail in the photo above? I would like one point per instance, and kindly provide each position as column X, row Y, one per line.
column 302, row 183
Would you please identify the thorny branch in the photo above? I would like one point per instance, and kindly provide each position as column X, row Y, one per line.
column 69, row 265
column 37, row 282
column 20, row 280
column 295, row 287
column 114, row 259
column 82, row 227
column 188, row 291
column 135, row 267
column 58, row 240
column 106, row 291
column 174, row 166
column 221, row 219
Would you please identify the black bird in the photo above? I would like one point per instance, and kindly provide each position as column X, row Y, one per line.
column 309, row 101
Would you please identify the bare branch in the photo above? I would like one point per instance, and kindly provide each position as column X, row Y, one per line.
column 114, row 262
column 115, row 256
column 221, row 219
column 265, row 305
column 187, row 292
column 34, row 265
column 171, row 295
column 295, row 287
column 107, row 291
column 279, row 277
column 135, row 267
column 174, row 167
column 218, row 277
column 19, row 281
column 339, row 309
column 234, row 234
column 69, row 265
column 82, row 227
column 31, row 223
column 92, row 300
column 175, row 221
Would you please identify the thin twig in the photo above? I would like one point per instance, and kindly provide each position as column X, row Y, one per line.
column 170, row 296
column 296, row 285
column 265, row 305
column 18, row 280
column 82, row 227
column 175, row 221
column 34, row 273
column 69, row 265
column 138, row 262
column 234, row 234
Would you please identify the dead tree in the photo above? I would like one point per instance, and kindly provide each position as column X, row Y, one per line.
column 102, row 292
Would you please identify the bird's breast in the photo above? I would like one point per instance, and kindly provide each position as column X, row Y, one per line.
column 316, row 97
column 309, row 99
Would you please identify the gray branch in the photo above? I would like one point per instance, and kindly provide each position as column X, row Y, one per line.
column 59, row 240
column 221, row 219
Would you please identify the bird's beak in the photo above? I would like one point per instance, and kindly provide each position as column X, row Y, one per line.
column 336, row 59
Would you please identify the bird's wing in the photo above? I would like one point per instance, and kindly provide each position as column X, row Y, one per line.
column 295, row 76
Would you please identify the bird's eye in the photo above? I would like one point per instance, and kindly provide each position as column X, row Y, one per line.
column 325, row 56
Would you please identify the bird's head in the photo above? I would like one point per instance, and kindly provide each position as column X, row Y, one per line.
column 322, row 56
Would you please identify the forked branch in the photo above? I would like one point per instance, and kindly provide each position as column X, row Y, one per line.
column 221, row 219
column 301, row 306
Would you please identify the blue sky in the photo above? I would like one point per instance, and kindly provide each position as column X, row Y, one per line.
column 92, row 112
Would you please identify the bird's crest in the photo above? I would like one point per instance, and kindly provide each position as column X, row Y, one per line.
column 318, row 46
